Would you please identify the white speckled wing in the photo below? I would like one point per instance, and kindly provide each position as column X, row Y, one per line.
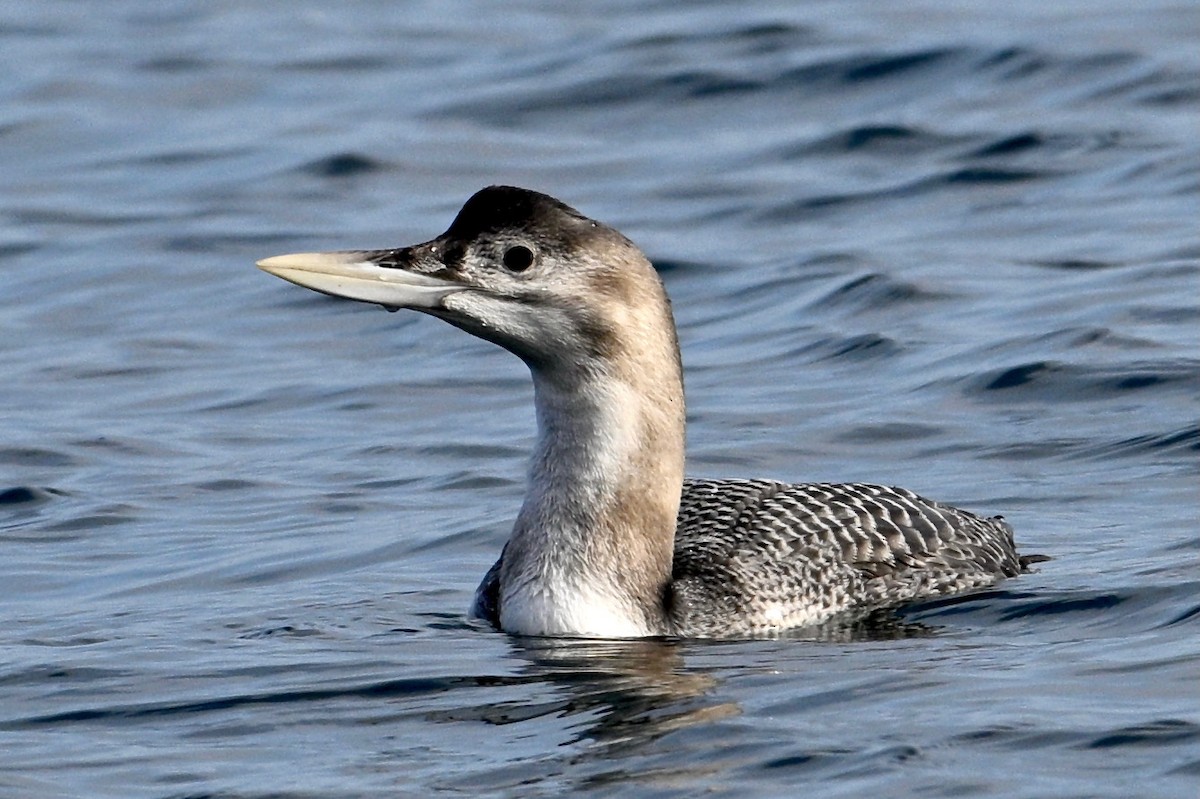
column 757, row 555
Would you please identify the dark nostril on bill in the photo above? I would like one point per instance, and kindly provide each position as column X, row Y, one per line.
column 391, row 259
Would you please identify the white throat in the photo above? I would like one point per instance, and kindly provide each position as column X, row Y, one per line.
column 567, row 567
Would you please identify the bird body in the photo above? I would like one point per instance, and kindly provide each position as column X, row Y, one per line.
column 611, row 541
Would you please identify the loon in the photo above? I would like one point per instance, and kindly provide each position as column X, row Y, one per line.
column 611, row 540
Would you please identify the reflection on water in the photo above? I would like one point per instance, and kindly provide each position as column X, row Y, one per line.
column 623, row 693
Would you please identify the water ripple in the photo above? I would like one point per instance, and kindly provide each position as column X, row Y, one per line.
column 946, row 246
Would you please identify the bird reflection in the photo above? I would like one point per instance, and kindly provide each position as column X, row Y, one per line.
column 627, row 693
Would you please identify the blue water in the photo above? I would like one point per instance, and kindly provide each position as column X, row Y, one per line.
column 947, row 245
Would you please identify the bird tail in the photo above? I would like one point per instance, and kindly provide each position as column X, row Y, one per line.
column 1026, row 561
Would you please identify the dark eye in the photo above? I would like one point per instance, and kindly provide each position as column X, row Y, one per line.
column 518, row 259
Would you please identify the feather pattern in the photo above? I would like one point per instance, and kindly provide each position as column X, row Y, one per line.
column 753, row 556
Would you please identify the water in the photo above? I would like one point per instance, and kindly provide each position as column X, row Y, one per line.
column 951, row 246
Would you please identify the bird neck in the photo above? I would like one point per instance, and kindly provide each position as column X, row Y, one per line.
column 592, row 547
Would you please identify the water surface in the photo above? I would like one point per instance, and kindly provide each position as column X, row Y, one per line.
column 951, row 246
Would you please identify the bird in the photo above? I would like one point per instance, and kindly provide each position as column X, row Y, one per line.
column 611, row 540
